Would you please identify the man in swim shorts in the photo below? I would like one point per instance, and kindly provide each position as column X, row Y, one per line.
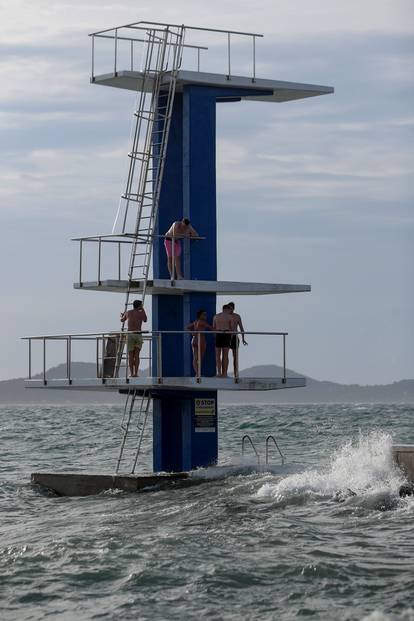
column 135, row 317
column 178, row 230
column 236, row 325
column 222, row 324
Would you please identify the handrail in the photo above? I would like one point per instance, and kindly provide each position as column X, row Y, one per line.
column 158, row 27
column 119, row 240
column 273, row 439
column 103, row 36
column 246, row 438
column 132, row 237
column 152, row 337
column 133, row 24
column 115, row 333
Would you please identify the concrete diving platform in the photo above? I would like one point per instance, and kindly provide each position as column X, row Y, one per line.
column 267, row 90
column 160, row 286
column 404, row 457
column 156, row 385
column 79, row 484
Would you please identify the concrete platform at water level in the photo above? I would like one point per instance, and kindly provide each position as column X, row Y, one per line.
column 404, row 456
column 79, row 484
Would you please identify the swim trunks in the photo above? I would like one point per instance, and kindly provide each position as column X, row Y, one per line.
column 223, row 340
column 168, row 247
column 234, row 342
column 135, row 340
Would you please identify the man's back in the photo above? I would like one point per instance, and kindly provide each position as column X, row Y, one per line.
column 222, row 321
column 135, row 317
column 235, row 320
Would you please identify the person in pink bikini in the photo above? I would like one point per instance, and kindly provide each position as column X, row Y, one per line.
column 198, row 342
column 178, row 230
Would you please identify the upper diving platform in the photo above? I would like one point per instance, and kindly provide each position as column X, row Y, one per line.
column 268, row 90
column 210, row 57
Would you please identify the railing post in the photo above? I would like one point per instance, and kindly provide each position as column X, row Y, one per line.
column 69, row 359
column 93, row 59
column 44, row 362
column 103, row 358
column 132, row 55
column 198, row 59
column 119, row 260
column 236, row 354
column 284, row 359
column 126, row 357
column 254, row 59
column 30, row 358
column 116, row 50
column 97, row 358
column 159, row 358
column 99, row 260
column 228, row 56
column 198, row 358
column 80, row 262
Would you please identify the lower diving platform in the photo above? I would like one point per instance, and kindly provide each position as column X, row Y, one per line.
column 155, row 384
column 107, row 368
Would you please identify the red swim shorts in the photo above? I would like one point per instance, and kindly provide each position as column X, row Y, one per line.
column 168, row 247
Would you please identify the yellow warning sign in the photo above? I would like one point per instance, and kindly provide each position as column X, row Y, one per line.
column 204, row 415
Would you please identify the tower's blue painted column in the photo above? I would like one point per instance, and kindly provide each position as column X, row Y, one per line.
column 185, row 432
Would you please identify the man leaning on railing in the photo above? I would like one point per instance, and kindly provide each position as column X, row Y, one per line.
column 177, row 231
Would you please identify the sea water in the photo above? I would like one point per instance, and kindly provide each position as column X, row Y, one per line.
column 244, row 542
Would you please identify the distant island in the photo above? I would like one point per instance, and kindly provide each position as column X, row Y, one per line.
column 13, row 392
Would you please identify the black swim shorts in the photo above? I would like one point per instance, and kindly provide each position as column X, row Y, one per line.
column 223, row 340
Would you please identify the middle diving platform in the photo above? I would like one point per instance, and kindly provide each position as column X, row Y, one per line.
column 160, row 286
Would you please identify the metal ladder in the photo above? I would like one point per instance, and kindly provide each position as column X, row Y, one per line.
column 149, row 145
column 133, row 425
column 163, row 55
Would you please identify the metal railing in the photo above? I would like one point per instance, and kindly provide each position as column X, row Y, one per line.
column 273, row 439
column 107, row 345
column 122, row 36
column 119, row 263
column 247, row 439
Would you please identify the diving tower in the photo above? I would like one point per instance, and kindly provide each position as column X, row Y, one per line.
column 171, row 175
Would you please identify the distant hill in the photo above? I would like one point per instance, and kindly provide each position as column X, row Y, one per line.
column 13, row 391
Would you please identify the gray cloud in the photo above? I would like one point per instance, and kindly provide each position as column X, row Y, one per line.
column 318, row 191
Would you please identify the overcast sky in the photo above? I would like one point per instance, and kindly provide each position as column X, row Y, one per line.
column 320, row 191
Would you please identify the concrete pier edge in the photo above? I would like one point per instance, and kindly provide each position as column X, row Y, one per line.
column 404, row 457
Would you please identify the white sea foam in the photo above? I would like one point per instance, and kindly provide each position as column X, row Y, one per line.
column 377, row 615
column 365, row 466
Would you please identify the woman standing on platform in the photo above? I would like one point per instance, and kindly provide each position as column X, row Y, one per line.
column 198, row 342
column 178, row 230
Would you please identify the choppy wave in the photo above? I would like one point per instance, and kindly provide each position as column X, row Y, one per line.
column 362, row 467
column 244, row 542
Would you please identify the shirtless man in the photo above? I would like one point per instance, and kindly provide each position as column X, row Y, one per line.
column 236, row 325
column 222, row 323
column 135, row 317
column 179, row 229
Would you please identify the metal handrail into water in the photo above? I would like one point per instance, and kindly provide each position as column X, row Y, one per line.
column 151, row 337
column 273, row 439
column 247, row 438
